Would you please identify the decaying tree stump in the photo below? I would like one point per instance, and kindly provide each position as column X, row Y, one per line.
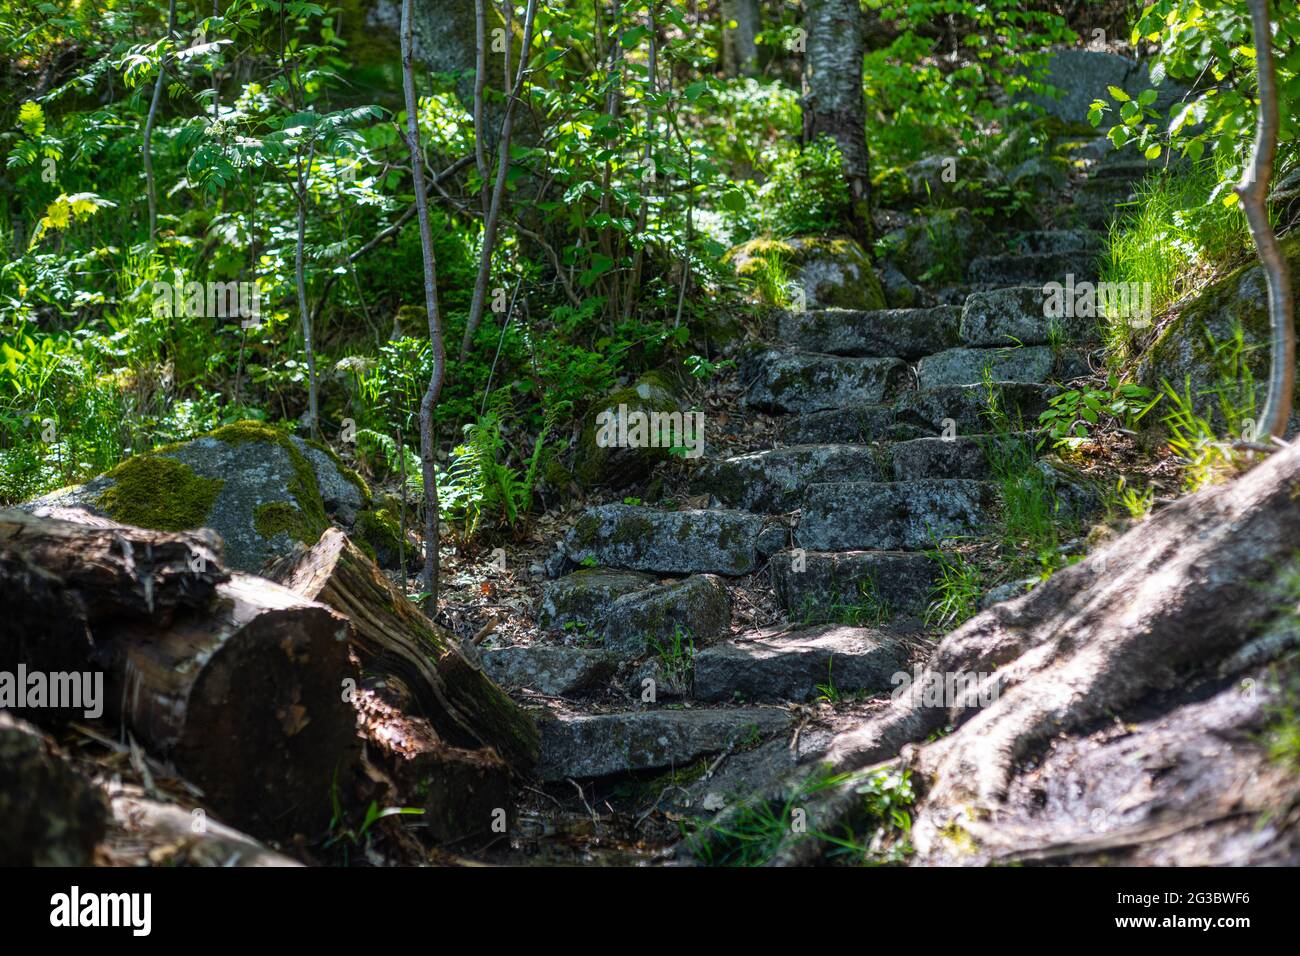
column 463, row 794
column 391, row 636
column 49, row 814
column 236, row 680
column 1144, row 629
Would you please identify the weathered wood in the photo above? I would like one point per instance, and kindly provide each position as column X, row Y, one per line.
column 391, row 636
column 236, row 680
column 465, row 794
column 50, row 815
column 164, row 834
column 114, row 570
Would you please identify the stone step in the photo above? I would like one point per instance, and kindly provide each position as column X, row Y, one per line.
column 597, row 745
column 918, row 413
column 693, row 541
column 853, row 586
column 1033, row 268
column 892, row 516
column 903, row 333
column 1032, row 363
column 1095, row 214
column 852, row 423
column 1106, row 188
column 1128, row 170
column 794, row 381
column 961, row 456
column 1057, row 241
column 632, row 613
column 773, row 481
column 1022, row 315
column 550, row 670
column 773, row 666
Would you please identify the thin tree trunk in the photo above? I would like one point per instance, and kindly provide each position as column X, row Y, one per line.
column 151, row 188
column 834, row 104
column 480, row 82
column 300, row 278
column 493, row 216
column 647, row 170
column 739, row 49
column 430, row 400
column 1253, row 190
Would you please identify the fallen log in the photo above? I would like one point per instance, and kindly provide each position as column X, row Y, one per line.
column 239, row 682
column 50, row 815
column 392, row 637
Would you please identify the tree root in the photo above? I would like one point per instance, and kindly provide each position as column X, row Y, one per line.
column 1143, row 619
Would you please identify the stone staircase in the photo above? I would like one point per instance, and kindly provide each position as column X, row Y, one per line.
column 879, row 457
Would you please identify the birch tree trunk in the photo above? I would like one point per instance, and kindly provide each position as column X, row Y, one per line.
column 741, row 22
column 833, row 102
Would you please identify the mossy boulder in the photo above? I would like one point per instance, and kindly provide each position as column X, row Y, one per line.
column 260, row 488
column 378, row 532
column 1199, row 345
column 936, row 247
column 833, row 272
column 602, row 464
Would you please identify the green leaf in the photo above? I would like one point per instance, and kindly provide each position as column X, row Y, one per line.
column 1118, row 94
column 1153, row 151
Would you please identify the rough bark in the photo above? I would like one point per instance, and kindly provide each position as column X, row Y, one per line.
column 739, row 49
column 1146, row 626
column 1253, row 190
column 49, row 814
column 236, row 680
column 833, row 100
column 392, row 638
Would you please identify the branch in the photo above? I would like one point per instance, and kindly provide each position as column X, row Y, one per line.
column 493, row 212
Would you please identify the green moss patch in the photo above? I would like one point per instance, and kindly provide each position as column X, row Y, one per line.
column 278, row 517
column 303, row 487
column 159, row 493
column 378, row 533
